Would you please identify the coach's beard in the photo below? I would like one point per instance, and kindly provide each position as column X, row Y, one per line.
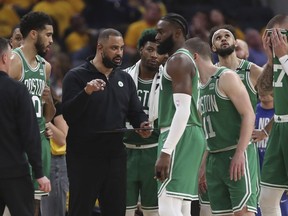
column 108, row 63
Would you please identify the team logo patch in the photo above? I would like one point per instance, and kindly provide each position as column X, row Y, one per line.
column 211, row 86
column 41, row 72
column 120, row 84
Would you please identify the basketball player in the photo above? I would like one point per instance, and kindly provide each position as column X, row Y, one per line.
column 142, row 153
column 228, row 121
column 181, row 141
column 274, row 176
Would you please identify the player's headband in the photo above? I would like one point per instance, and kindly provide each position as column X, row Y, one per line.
column 218, row 31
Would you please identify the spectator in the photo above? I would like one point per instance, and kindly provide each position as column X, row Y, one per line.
column 79, row 34
column 8, row 19
column 55, row 203
column 241, row 49
column 21, row 6
column 217, row 18
column 16, row 38
column 60, row 10
column 151, row 16
column 257, row 54
column 200, row 25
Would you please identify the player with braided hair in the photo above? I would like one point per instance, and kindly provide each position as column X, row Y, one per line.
column 181, row 141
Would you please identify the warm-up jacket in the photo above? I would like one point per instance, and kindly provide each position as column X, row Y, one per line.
column 19, row 131
column 89, row 115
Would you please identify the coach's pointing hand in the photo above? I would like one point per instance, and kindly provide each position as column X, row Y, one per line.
column 95, row 85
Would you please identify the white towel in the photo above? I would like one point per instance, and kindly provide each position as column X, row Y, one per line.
column 153, row 98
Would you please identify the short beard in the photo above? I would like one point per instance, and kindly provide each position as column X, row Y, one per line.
column 108, row 63
column 149, row 67
column 152, row 69
column 225, row 52
column 166, row 46
column 40, row 48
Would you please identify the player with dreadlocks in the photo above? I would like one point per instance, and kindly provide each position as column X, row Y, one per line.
column 181, row 141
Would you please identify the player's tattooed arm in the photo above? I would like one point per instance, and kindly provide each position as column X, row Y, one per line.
column 265, row 80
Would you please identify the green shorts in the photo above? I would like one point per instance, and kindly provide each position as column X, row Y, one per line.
column 140, row 178
column 185, row 162
column 227, row 196
column 46, row 164
column 275, row 165
column 204, row 198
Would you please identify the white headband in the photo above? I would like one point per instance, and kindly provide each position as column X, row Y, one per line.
column 216, row 32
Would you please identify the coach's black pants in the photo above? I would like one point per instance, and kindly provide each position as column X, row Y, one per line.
column 92, row 177
column 18, row 195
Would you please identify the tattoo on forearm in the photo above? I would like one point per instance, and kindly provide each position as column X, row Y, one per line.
column 265, row 80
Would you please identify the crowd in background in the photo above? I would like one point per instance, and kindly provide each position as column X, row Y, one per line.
column 77, row 23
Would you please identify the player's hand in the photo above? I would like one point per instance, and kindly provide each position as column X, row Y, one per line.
column 279, row 42
column 258, row 135
column 44, row 184
column 267, row 45
column 162, row 167
column 202, row 185
column 237, row 166
column 145, row 133
column 46, row 95
column 48, row 131
column 94, row 86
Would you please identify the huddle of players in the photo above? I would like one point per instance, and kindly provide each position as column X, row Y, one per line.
column 227, row 100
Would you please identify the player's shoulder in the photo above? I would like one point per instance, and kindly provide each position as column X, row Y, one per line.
column 228, row 75
column 15, row 57
column 178, row 57
column 255, row 68
column 15, row 69
column 179, row 61
column 47, row 65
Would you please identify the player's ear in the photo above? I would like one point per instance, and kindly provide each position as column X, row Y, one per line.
column 4, row 58
column 140, row 50
column 195, row 56
column 178, row 32
column 213, row 48
column 33, row 33
column 99, row 46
